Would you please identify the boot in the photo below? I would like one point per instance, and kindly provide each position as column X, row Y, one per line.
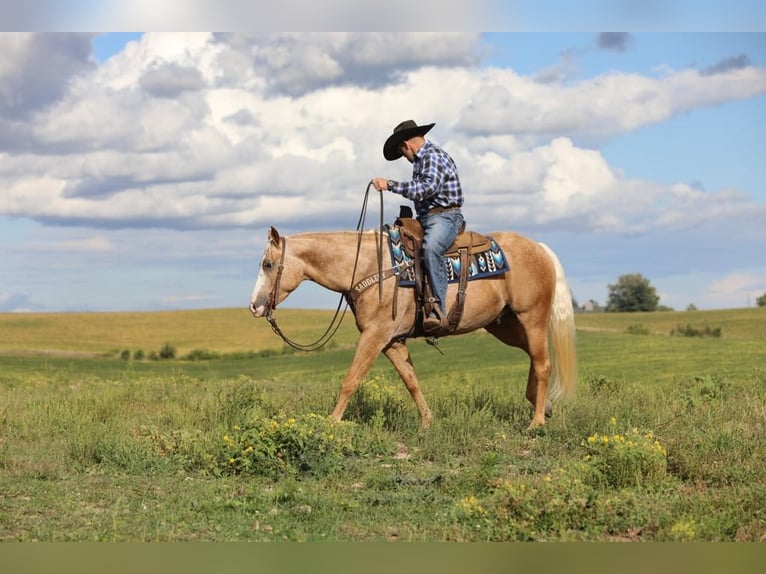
column 436, row 322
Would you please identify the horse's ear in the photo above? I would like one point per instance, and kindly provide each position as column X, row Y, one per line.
column 273, row 235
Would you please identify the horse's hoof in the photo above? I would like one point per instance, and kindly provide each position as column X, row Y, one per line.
column 536, row 425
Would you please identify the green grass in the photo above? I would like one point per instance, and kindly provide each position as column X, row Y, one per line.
column 96, row 448
column 735, row 323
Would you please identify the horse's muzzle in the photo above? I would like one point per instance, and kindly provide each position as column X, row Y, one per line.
column 257, row 310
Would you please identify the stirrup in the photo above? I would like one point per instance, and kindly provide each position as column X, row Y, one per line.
column 442, row 319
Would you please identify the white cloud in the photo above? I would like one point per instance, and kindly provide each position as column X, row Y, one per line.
column 35, row 69
column 304, row 116
column 604, row 106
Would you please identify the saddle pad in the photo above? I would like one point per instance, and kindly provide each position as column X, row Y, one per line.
column 484, row 264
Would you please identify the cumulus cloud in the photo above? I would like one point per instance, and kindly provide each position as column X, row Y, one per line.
column 298, row 63
column 218, row 131
column 171, row 80
column 36, row 69
column 604, row 106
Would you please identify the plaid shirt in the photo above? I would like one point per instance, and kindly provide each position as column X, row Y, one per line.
column 435, row 182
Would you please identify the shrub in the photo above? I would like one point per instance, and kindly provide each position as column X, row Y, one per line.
column 600, row 383
column 378, row 398
column 535, row 507
column 167, row 351
column 690, row 331
column 311, row 444
column 202, row 355
column 188, row 448
column 125, row 354
column 138, row 355
column 637, row 329
column 629, row 458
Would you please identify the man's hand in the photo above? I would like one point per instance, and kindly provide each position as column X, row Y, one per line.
column 380, row 183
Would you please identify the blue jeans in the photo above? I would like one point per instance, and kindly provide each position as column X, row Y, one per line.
column 439, row 232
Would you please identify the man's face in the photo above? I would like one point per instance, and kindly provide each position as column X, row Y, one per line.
column 407, row 150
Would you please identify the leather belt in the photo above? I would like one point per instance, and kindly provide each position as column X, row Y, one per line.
column 436, row 210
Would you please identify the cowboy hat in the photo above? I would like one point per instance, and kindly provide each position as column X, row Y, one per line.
column 404, row 131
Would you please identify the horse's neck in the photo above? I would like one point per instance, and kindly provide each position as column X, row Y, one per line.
column 329, row 258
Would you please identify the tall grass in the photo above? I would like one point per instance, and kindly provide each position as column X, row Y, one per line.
column 664, row 441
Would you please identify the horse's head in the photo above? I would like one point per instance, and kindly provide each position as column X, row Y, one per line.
column 275, row 282
column 265, row 296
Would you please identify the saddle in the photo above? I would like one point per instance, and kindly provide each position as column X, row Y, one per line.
column 466, row 244
column 412, row 239
column 471, row 256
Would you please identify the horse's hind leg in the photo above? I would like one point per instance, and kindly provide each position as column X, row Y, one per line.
column 539, row 374
column 532, row 391
column 510, row 331
column 399, row 356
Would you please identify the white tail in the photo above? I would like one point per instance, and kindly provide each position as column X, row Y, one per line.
column 561, row 336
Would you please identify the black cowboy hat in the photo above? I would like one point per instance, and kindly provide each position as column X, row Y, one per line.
column 404, row 131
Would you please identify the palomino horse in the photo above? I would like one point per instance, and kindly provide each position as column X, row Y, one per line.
column 529, row 307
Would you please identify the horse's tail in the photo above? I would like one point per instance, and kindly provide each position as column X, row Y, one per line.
column 561, row 335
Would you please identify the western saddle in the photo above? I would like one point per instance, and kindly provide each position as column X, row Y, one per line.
column 466, row 244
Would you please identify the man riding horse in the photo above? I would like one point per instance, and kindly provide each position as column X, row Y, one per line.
column 438, row 197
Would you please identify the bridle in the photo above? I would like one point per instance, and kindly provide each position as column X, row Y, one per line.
column 338, row 316
column 271, row 305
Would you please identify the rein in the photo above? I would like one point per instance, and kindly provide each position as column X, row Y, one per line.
column 337, row 319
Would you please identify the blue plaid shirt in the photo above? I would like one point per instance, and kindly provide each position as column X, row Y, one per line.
column 435, row 182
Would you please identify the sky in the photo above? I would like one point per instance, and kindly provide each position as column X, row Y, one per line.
column 141, row 171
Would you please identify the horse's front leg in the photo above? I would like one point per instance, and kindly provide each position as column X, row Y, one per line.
column 399, row 356
column 371, row 343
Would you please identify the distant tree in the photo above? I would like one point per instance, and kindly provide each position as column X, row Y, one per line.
column 632, row 292
column 761, row 301
column 691, row 307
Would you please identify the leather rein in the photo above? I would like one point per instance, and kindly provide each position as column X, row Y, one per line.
column 353, row 291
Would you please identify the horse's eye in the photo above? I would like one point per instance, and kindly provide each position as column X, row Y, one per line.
column 268, row 265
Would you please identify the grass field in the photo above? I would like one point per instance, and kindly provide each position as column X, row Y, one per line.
column 665, row 440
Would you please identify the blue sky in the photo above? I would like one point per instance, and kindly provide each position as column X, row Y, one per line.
column 141, row 171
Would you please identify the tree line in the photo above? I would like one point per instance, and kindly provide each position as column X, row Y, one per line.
column 634, row 292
